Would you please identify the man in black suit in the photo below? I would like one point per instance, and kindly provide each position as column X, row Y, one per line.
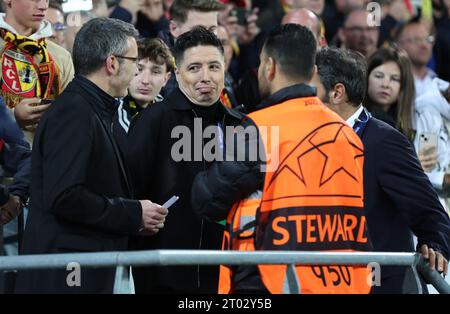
column 399, row 199
column 80, row 194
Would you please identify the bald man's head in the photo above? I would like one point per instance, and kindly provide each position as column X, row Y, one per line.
column 305, row 18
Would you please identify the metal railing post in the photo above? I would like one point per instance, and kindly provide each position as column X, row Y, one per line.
column 433, row 277
column 122, row 280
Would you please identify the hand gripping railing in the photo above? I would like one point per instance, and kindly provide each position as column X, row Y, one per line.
column 203, row 257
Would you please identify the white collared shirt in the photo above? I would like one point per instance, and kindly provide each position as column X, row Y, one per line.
column 351, row 121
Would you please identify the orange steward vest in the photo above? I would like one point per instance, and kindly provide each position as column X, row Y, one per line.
column 312, row 200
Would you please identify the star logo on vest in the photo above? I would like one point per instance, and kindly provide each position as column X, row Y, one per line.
column 332, row 153
column 324, row 148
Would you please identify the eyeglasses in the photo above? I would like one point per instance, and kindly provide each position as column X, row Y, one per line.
column 134, row 59
column 419, row 40
column 58, row 27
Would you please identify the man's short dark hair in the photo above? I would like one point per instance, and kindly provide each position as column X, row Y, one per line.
column 343, row 66
column 180, row 8
column 97, row 40
column 293, row 47
column 198, row 36
column 156, row 51
column 56, row 4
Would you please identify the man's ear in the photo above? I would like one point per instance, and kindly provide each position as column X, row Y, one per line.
column 112, row 65
column 270, row 68
column 177, row 73
column 166, row 78
column 339, row 94
column 173, row 27
column 314, row 72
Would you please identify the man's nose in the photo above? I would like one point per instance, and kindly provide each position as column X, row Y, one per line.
column 145, row 80
column 205, row 74
column 42, row 4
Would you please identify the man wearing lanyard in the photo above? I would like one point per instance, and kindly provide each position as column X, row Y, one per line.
column 398, row 197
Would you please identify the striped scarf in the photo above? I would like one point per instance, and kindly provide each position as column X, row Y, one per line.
column 23, row 77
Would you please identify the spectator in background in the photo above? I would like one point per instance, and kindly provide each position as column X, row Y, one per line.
column 355, row 34
column 393, row 12
column 398, row 197
column 417, row 41
column 309, row 19
column 100, row 8
column 415, row 38
column 247, row 91
column 391, row 91
column 151, row 19
column 9, row 130
column 55, row 16
column 155, row 64
column 74, row 23
column 23, row 42
column 335, row 13
column 228, row 96
column 317, row 6
column 184, row 16
column 15, row 157
column 125, row 10
column 17, row 160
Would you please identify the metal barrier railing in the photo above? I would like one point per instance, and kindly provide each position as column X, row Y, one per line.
column 203, row 257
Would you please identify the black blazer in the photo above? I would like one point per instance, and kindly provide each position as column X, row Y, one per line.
column 399, row 200
column 79, row 192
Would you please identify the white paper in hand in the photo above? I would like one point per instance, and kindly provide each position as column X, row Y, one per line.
column 170, row 202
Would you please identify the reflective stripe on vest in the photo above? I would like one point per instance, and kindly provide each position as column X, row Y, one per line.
column 311, row 201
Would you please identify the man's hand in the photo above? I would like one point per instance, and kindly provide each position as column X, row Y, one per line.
column 436, row 260
column 428, row 159
column 28, row 112
column 153, row 217
column 10, row 210
column 153, row 10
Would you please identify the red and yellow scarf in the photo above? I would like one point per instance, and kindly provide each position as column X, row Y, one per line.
column 21, row 76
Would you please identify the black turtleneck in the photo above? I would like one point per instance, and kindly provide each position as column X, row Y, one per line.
column 106, row 105
column 210, row 115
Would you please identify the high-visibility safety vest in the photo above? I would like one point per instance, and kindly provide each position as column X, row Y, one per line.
column 311, row 201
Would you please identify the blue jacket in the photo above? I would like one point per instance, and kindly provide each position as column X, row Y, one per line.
column 9, row 130
column 15, row 156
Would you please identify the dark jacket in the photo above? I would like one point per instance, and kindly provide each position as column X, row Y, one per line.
column 442, row 48
column 9, row 130
column 172, row 83
column 158, row 177
column 15, row 156
column 150, row 29
column 216, row 190
column 16, row 159
column 399, row 199
column 79, row 192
